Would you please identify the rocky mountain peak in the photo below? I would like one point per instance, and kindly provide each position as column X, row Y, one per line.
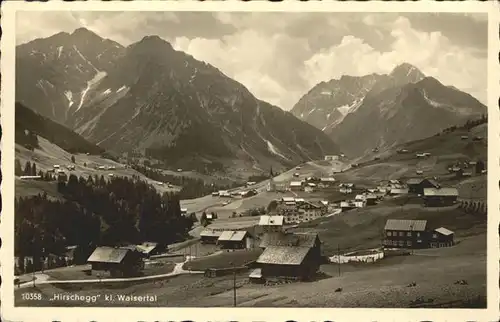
column 407, row 73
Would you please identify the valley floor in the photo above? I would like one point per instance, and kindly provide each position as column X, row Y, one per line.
column 380, row 284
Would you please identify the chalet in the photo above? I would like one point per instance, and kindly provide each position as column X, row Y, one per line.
column 224, row 193
column 347, row 205
column 56, row 166
column 440, row 197
column 299, row 200
column 120, row 262
column 360, row 198
column 331, row 157
column 235, row 239
column 419, row 172
column 467, row 174
column 62, row 177
column 210, row 216
column 277, row 186
column 398, row 191
column 209, row 236
column 251, row 183
column 296, row 185
column 477, row 138
column 311, row 211
column 371, row 199
column 327, row 181
column 288, row 200
column 360, row 203
column 149, row 248
column 184, row 211
column 405, row 234
column 417, row 185
column 442, row 237
column 290, row 256
column 345, row 190
column 271, row 223
column 101, row 167
column 296, row 174
column 215, row 194
column 464, row 137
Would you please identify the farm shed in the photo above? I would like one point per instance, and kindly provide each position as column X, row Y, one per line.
column 209, row 236
column 118, row 261
column 400, row 233
column 417, row 185
column 442, row 237
column 296, row 256
column 398, row 191
column 239, row 239
column 149, row 248
column 440, row 197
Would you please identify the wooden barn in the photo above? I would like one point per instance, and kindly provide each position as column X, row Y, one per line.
column 290, row 256
column 119, row 262
column 440, row 197
column 239, row 239
column 417, row 185
column 442, row 237
column 209, row 236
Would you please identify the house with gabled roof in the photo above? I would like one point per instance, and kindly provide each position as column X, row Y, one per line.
column 441, row 197
column 417, row 185
column 239, row 239
column 119, row 261
column 290, row 256
column 403, row 233
column 271, row 223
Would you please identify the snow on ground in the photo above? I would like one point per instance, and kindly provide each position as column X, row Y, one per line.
column 59, row 51
column 121, row 88
column 107, row 91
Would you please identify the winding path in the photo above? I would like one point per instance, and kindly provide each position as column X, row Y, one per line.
column 44, row 279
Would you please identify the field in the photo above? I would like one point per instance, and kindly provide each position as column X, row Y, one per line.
column 50, row 154
column 382, row 284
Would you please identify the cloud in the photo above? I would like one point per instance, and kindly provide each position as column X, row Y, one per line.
column 280, row 56
column 433, row 53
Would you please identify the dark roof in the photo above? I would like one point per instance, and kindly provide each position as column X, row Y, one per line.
column 283, row 255
column 108, row 255
column 288, row 239
column 405, row 225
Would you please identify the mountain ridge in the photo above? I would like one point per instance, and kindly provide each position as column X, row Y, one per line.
column 373, row 109
column 158, row 101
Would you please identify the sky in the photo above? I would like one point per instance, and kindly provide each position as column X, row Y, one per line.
column 280, row 56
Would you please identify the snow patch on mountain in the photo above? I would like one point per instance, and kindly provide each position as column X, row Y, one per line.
column 274, row 150
column 69, row 96
column 121, row 88
column 430, row 101
column 59, row 51
column 85, row 59
column 107, row 91
column 95, row 80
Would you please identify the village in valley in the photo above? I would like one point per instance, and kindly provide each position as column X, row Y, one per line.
column 317, row 225
column 353, row 174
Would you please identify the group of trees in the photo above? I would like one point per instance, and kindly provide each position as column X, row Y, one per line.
column 191, row 187
column 96, row 211
column 467, row 125
column 475, row 207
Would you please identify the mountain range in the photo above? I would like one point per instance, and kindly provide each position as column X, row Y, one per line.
column 149, row 98
column 362, row 114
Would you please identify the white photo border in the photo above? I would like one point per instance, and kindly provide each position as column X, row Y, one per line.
column 11, row 313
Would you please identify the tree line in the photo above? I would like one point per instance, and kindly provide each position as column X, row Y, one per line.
column 191, row 187
column 94, row 212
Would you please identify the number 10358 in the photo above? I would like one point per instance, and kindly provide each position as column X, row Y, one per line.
column 31, row 296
